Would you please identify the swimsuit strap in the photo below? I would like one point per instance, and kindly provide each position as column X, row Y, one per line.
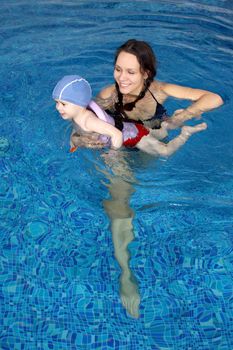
column 154, row 97
column 123, row 117
column 160, row 110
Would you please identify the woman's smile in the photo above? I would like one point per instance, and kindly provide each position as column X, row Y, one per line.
column 128, row 75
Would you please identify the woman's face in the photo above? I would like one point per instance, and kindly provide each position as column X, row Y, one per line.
column 128, row 74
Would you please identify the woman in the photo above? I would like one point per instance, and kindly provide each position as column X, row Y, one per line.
column 136, row 95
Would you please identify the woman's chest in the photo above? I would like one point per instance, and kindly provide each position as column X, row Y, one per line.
column 144, row 109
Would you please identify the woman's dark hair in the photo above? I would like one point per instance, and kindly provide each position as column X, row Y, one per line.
column 148, row 63
column 144, row 54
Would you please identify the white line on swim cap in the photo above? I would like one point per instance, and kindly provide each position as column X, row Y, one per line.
column 73, row 81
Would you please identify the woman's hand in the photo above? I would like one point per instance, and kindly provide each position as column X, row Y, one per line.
column 182, row 115
column 88, row 140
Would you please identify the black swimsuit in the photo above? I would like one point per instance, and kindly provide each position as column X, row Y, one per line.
column 152, row 123
column 160, row 114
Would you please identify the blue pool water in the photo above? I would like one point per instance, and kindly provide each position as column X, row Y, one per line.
column 59, row 276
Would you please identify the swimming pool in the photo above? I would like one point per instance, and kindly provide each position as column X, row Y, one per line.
column 59, row 276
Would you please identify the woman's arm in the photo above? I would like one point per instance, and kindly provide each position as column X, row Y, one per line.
column 106, row 97
column 203, row 100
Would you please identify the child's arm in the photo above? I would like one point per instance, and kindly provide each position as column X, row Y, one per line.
column 93, row 124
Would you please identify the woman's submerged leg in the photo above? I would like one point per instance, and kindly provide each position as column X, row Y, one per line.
column 121, row 216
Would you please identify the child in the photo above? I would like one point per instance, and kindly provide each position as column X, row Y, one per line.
column 73, row 98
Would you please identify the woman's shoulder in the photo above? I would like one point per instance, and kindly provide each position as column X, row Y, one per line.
column 158, row 85
column 158, row 89
column 107, row 91
column 106, row 97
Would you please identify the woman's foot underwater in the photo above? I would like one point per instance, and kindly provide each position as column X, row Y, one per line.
column 129, row 293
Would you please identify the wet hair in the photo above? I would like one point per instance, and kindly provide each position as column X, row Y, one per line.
column 148, row 63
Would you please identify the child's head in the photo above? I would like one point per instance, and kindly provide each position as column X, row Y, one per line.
column 73, row 89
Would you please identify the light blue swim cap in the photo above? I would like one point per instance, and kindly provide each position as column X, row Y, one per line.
column 74, row 89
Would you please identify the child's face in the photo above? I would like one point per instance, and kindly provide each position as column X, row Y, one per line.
column 67, row 110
